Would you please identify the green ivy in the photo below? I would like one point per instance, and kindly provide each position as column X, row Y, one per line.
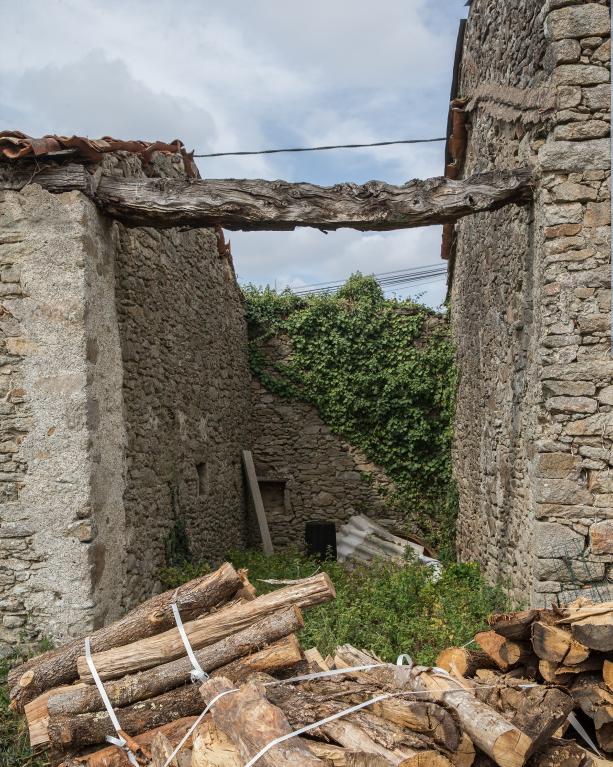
column 382, row 377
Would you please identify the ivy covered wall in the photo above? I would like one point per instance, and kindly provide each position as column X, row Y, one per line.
column 380, row 373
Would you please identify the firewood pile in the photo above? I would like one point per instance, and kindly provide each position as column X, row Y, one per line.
column 506, row 704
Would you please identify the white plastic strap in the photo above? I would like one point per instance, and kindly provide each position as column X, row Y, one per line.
column 314, row 726
column 402, row 660
column 581, row 730
column 197, row 674
column 190, row 732
column 120, row 741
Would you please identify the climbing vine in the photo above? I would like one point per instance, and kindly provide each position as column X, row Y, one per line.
column 380, row 371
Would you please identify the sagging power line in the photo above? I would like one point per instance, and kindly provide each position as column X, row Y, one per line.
column 388, row 280
column 324, row 148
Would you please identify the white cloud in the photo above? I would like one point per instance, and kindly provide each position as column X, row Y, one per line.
column 248, row 75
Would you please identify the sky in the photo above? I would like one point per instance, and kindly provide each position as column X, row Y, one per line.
column 251, row 74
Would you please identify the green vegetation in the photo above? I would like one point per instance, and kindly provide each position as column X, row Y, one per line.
column 381, row 374
column 14, row 744
column 380, row 607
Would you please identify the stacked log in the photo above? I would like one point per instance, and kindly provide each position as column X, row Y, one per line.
column 570, row 647
column 273, row 702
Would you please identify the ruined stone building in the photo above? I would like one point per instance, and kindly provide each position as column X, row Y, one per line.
column 530, row 300
column 126, row 401
column 125, row 391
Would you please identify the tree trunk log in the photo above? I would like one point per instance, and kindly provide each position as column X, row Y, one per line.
column 516, row 625
column 536, row 711
column 205, row 631
column 251, row 723
column 283, row 654
column 504, row 652
column 503, row 742
column 463, row 662
column 59, row 666
column 595, row 632
column 359, row 731
column 160, row 679
column 282, row 206
column 88, row 729
column 213, row 748
column 69, row 728
column 113, row 757
column 554, row 644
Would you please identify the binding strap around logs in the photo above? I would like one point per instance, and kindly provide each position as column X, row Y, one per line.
column 120, row 741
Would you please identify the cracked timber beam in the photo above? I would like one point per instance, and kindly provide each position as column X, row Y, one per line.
column 281, row 205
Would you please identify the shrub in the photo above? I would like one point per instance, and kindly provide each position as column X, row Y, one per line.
column 381, row 373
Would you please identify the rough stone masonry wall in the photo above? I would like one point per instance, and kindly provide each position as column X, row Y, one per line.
column 186, row 396
column 530, row 302
column 309, row 473
column 57, row 299
column 124, row 390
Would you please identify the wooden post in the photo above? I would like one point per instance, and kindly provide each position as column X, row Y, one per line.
column 258, row 503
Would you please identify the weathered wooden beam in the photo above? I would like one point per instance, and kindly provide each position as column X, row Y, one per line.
column 281, row 205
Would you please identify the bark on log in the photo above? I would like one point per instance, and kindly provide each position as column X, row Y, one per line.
column 88, row 729
column 153, row 616
column 280, row 655
column 489, row 731
column 554, row 644
column 282, row 206
column 607, row 674
column 422, row 717
column 160, row 679
column 151, row 712
column 505, row 653
column 205, row 631
column 536, row 711
column 113, row 757
column 516, row 625
column 251, row 723
column 595, row 632
column 360, row 731
column 463, row 662
column 161, row 751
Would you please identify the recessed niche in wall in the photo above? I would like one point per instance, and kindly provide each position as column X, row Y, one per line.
column 203, row 478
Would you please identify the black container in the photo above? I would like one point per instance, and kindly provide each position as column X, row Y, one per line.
column 320, row 539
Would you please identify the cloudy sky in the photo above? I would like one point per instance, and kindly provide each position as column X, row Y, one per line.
column 250, row 74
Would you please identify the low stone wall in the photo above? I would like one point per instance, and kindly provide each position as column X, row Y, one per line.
column 531, row 303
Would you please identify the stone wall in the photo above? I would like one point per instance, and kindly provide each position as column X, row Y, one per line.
column 530, row 302
column 186, row 397
column 307, row 473
column 125, row 404
column 57, row 286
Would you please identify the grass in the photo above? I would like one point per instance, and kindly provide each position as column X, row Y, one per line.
column 15, row 750
column 382, row 608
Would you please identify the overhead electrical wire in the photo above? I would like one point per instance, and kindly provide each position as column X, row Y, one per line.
column 385, row 280
column 324, row 148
